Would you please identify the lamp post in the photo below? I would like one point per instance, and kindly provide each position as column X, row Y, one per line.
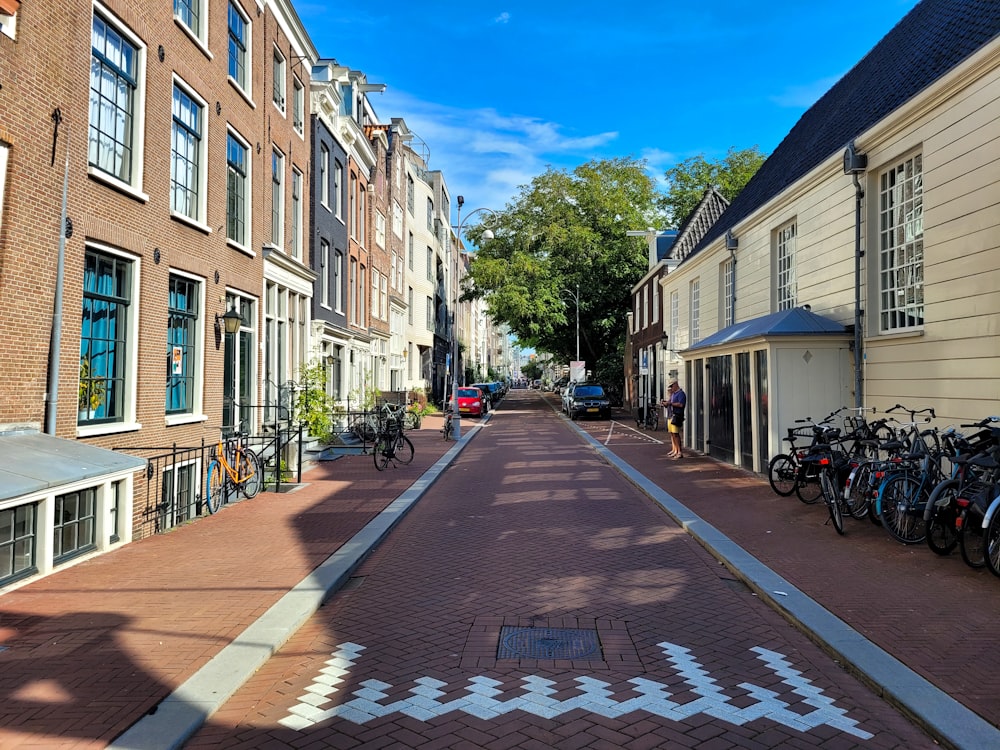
column 486, row 236
column 576, row 298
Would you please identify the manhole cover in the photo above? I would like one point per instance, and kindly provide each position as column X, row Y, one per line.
column 548, row 643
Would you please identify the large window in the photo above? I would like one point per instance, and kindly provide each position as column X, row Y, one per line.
column 74, row 524
column 296, row 214
column 178, row 494
column 115, row 106
column 182, row 344
column 18, row 532
column 379, row 228
column 324, row 175
column 189, row 13
column 338, row 281
column 104, row 337
column 278, row 81
column 298, row 106
column 726, row 298
column 675, row 325
column 901, row 246
column 695, row 312
column 338, row 190
column 325, row 270
column 239, row 46
column 187, row 154
column 277, row 198
column 409, row 194
column 785, row 267
column 237, row 194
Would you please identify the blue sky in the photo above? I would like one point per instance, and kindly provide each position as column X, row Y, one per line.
column 499, row 91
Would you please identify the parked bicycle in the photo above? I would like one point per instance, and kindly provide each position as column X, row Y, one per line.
column 787, row 473
column 391, row 444
column 449, row 425
column 234, row 469
column 648, row 418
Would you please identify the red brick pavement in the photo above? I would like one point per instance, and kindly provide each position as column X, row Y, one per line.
column 92, row 648
column 527, row 528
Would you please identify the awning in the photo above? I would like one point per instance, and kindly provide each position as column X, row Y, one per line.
column 32, row 462
column 795, row 322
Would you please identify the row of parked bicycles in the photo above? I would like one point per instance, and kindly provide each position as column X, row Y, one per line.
column 921, row 483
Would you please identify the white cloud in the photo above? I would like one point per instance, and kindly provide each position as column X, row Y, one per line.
column 502, row 18
column 485, row 155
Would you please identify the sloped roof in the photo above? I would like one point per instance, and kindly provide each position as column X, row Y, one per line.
column 795, row 322
column 713, row 204
column 929, row 41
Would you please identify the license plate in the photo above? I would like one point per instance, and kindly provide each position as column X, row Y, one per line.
column 593, row 409
column 464, row 409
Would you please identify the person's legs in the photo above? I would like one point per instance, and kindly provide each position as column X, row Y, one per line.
column 674, row 441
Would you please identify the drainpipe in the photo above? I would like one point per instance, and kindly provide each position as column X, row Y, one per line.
column 859, row 195
column 52, row 398
column 732, row 243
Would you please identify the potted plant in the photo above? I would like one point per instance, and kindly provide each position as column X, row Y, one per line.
column 92, row 392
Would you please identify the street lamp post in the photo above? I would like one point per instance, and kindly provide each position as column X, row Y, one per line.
column 486, row 236
column 576, row 298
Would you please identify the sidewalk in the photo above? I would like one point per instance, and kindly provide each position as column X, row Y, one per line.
column 91, row 650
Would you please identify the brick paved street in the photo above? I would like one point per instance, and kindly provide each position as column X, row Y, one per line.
column 530, row 530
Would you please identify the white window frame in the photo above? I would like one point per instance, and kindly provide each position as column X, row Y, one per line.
column 655, row 293
column 277, row 198
column 338, row 281
column 379, row 228
column 298, row 106
column 694, row 320
column 137, row 115
column 901, row 246
column 786, row 287
column 324, row 175
column 128, row 422
column 297, row 181
column 200, row 10
column 201, row 199
column 675, row 322
column 8, row 25
column 338, row 189
column 374, row 294
column 324, row 277
column 244, row 86
column 278, row 83
column 241, row 243
column 726, row 297
column 197, row 401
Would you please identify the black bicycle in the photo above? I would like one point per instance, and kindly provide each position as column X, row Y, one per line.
column 391, row 444
column 648, row 418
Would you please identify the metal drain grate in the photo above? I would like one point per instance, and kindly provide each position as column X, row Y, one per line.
column 548, row 643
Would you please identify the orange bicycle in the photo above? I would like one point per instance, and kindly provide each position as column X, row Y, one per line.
column 234, row 468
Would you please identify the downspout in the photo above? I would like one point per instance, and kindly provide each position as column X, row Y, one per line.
column 859, row 195
column 52, row 397
column 732, row 301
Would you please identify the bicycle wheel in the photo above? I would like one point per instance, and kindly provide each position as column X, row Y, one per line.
column 447, row 429
column 902, row 509
column 781, row 474
column 829, row 488
column 215, row 481
column 653, row 419
column 858, row 491
column 991, row 545
column 807, row 485
column 250, row 473
column 971, row 539
column 404, row 450
column 382, row 453
column 941, row 512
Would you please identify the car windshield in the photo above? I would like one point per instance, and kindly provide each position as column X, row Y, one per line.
column 468, row 393
column 588, row 391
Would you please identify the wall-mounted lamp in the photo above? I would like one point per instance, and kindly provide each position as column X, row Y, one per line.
column 854, row 162
column 406, row 353
column 230, row 322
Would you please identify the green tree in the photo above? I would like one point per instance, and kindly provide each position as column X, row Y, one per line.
column 688, row 180
column 567, row 229
column 532, row 370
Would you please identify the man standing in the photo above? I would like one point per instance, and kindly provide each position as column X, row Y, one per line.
column 675, row 402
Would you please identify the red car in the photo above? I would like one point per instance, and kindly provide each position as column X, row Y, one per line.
column 470, row 401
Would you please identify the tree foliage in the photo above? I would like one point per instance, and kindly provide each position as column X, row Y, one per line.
column 688, row 180
column 567, row 231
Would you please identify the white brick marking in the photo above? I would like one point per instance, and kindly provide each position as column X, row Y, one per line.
column 485, row 699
